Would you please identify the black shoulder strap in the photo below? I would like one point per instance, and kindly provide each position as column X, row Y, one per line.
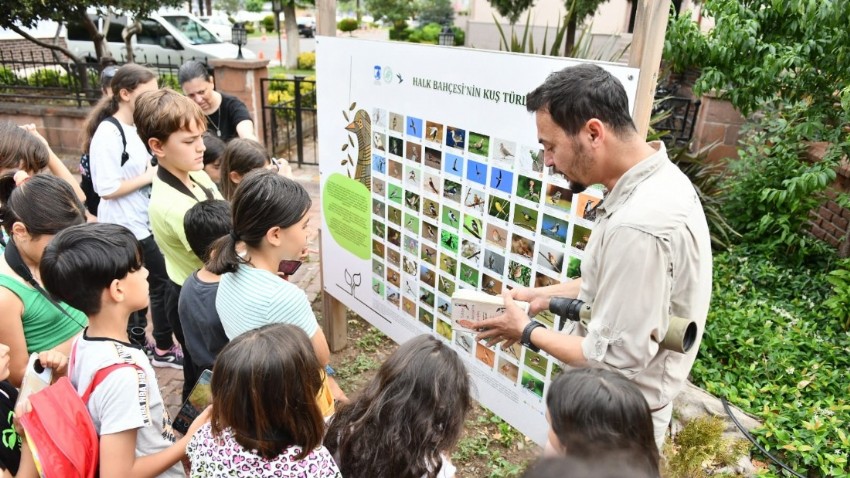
column 124, row 155
column 13, row 258
column 171, row 180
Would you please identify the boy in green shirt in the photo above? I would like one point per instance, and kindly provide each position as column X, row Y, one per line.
column 172, row 126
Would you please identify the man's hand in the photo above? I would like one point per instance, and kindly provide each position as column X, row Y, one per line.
column 538, row 301
column 507, row 327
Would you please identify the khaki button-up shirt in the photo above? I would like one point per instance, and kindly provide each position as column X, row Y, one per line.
column 648, row 258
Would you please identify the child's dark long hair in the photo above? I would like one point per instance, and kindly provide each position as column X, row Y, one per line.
column 45, row 204
column 264, row 388
column 262, row 201
column 408, row 414
column 595, row 409
column 241, row 156
column 128, row 77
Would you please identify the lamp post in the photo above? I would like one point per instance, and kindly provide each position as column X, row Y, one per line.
column 277, row 7
column 447, row 36
column 239, row 37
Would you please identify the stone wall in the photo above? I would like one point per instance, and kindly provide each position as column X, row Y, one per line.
column 62, row 126
column 718, row 123
column 830, row 221
column 19, row 48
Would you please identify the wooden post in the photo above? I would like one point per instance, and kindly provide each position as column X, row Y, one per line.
column 326, row 17
column 334, row 321
column 647, row 45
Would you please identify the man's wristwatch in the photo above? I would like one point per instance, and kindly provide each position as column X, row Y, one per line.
column 525, row 340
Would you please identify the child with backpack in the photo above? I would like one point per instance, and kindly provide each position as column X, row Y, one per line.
column 98, row 269
column 121, row 175
column 30, row 319
column 172, row 126
column 277, row 429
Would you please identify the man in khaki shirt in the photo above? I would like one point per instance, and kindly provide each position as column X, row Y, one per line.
column 649, row 256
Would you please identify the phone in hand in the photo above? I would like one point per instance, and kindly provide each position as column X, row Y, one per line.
column 36, row 378
column 288, row 267
column 199, row 398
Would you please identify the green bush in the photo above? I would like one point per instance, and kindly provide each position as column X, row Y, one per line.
column 772, row 348
column 7, row 76
column 250, row 28
column 348, row 25
column 460, row 36
column 268, row 23
column 49, row 78
column 170, row 81
column 307, row 60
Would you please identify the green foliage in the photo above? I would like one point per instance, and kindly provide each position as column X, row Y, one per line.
column 268, row 23
column 772, row 187
column 394, row 11
column 307, row 60
column 683, row 44
column 699, row 443
column 169, row 81
column 372, row 340
column 254, row 6
column 580, row 49
column 511, row 9
column 228, row 6
column 772, row 348
column 429, row 33
column 7, row 76
column 49, row 78
column 249, row 27
column 348, row 25
column 839, row 302
column 436, row 11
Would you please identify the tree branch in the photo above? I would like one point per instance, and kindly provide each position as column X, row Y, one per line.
column 44, row 44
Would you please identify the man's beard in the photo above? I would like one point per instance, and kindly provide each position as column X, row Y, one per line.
column 576, row 187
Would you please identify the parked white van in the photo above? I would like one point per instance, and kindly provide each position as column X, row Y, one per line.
column 167, row 37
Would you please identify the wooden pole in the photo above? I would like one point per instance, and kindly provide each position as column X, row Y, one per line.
column 334, row 321
column 647, row 45
column 326, row 17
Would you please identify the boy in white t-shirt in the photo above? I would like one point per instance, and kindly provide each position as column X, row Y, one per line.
column 97, row 268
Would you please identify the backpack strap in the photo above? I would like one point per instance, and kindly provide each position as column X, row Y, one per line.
column 124, row 155
column 101, row 375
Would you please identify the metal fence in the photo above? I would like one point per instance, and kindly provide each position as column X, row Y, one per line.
column 289, row 118
column 679, row 115
column 44, row 77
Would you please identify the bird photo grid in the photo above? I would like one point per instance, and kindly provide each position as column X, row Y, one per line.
column 455, row 207
column 432, row 181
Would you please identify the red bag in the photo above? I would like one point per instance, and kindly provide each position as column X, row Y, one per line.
column 60, row 430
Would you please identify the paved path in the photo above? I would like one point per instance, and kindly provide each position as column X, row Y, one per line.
column 307, row 277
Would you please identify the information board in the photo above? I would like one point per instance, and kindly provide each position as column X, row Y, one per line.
column 432, row 179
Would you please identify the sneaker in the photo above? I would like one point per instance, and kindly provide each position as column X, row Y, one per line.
column 149, row 348
column 173, row 358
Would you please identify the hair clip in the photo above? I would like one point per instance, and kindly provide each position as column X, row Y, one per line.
column 21, row 177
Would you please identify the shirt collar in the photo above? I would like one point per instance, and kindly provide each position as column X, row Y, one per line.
column 629, row 181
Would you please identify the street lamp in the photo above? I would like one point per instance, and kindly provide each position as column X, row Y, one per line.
column 239, row 37
column 277, row 7
column 447, row 36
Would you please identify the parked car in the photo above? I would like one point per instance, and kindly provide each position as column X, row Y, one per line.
column 306, row 26
column 167, row 38
column 219, row 25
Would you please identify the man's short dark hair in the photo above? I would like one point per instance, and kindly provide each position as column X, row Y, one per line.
column 579, row 93
column 82, row 261
column 205, row 222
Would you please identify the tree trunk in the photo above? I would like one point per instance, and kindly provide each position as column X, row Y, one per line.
column 101, row 48
column 208, row 4
column 292, row 44
column 127, row 35
column 326, row 17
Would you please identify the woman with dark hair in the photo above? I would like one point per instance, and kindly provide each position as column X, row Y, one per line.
column 227, row 117
column 122, row 173
column 270, row 218
column 30, row 319
column 594, row 409
column 242, row 156
column 407, row 419
column 274, row 431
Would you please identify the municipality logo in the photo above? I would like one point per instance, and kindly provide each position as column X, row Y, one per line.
column 384, row 73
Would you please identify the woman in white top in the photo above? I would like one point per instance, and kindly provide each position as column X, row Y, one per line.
column 122, row 173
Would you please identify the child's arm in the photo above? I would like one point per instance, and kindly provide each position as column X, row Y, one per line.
column 118, row 453
column 12, row 334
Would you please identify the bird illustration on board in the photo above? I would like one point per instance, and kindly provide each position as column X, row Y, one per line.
column 412, row 126
column 479, row 145
column 379, row 142
column 505, row 151
column 432, row 133
column 457, row 138
column 361, row 126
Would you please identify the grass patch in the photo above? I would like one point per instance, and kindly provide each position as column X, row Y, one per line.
column 281, row 70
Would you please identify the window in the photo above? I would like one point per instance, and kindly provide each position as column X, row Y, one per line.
column 152, row 33
column 194, row 31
